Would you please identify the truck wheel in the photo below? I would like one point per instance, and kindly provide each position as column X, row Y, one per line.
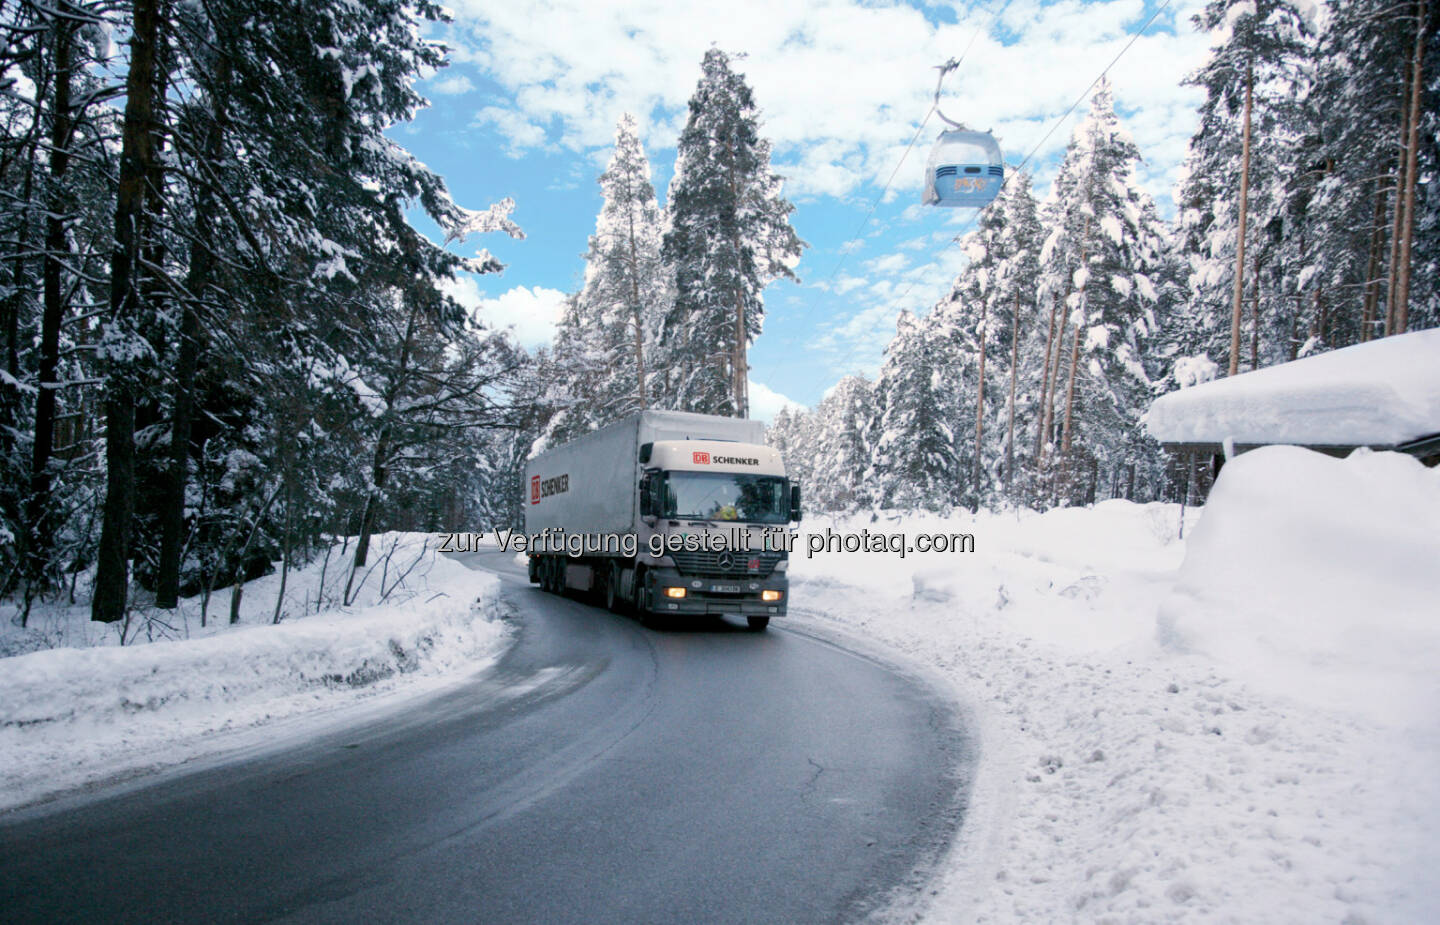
column 555, row 576
column 639, row 600
column 758, row 624
column 613, row 603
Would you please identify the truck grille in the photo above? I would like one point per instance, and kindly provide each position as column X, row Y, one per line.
column 726, row 564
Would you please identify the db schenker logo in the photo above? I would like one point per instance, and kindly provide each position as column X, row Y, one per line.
column 701, row 459
column 534, row 489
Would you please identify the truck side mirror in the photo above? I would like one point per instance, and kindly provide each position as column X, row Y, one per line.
column 795, row 503
column 647, row 508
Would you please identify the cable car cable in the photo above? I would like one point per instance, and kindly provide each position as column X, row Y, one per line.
column 959, row 236
column 944, row 69
column 876, row 201
column 948, row 66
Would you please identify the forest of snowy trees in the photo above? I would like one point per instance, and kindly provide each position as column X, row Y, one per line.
column 224, row 343
column 1308, row 219
column 222, row 337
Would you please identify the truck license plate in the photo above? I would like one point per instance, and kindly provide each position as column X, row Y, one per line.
column 726, row 589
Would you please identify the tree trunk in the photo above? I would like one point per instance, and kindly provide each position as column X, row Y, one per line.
column 1010, row 414
column 284, row 556
column 1041, row 418
column 1412, row 146
column 1235, row 310
column 741, row 368
column 38, row 508
column 379, row 474
column 980, row 404
column 1070, row 392
column 379, row 470
column 172, row 500
column 1372, row 268
column 638, row 312
column 1055, row 373
column 112, row 558
column 1398, row 218
column 1255, row 318
column 1075, row 346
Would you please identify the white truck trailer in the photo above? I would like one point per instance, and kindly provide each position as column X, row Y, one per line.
column 665, row 512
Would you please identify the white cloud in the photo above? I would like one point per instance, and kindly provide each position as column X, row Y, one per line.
column 890, row 263
column 765, row 402
column 842, row 84
column 855, row 340
column 520, row 133
column 453, row 85
column 531, row 313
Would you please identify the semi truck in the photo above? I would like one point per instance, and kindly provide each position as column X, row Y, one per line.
column 665, row 513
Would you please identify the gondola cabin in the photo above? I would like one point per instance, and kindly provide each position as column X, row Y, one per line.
column 965, row 170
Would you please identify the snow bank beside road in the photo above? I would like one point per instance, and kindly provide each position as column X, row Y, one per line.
column 1122, row 780
column 72, row 715
column 1319, row 578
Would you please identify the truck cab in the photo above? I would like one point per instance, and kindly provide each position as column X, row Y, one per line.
column 720, row 513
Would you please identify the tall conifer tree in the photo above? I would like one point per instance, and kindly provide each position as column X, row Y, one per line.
column 729, row 237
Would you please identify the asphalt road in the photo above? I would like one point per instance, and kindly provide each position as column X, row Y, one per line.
column 601, row 772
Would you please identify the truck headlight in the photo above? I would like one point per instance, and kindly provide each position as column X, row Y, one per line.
column 675, row 592
column 771, row 595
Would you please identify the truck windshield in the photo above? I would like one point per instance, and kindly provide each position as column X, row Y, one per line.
column 726, row 496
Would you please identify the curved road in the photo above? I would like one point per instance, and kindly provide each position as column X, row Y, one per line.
column 600, row 772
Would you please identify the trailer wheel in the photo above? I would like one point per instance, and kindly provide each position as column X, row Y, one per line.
column 555, row 576
column 758, row 624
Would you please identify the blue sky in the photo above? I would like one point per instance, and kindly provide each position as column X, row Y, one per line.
column 528, row 108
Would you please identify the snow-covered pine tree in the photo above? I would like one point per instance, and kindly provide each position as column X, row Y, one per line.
column 1108, row 260
column 956, row 344
column 1243, row 157
column 292, row 268
column 791, row 433
column 1360, row 106
column 729, row 237
column 123, row 345
column 970, row 313
column 987, row 309
column 840, row 434
column 606, row 344
column 918, row 443
column 577, row 371
column 1018, row 335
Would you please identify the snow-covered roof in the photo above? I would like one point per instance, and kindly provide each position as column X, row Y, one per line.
column 1382, row 393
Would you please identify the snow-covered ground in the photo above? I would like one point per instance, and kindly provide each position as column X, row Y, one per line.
column 1240, row 726
column 78, row 707
column 1244, row 730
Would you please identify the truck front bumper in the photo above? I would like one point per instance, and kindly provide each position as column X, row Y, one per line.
column 739, row 596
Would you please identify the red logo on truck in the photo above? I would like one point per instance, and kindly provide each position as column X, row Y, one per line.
column 534, row 489
column 701, row 459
